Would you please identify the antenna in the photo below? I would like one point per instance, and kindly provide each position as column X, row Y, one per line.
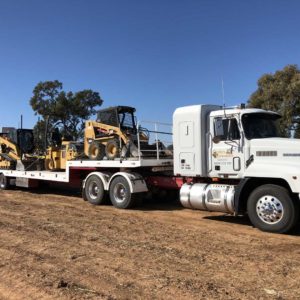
column 223, row 95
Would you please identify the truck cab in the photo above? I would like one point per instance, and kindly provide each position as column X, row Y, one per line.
column 226, row 136
column 238, row 163
column 230, row 146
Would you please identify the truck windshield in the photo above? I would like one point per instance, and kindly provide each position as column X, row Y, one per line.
column 260, row 125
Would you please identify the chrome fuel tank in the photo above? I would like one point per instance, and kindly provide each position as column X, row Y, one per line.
column 211, row 197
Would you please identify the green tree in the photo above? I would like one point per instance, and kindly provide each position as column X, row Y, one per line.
column 280, row 92
column 66, row 111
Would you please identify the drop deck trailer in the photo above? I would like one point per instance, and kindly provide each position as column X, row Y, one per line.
column 123, row 180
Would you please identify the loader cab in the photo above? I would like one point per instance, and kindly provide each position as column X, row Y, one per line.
column 119, row 116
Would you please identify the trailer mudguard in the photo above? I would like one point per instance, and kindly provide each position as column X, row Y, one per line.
column 136, row 181
column 103, row 176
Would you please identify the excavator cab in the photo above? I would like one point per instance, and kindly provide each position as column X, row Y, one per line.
column 15, row 144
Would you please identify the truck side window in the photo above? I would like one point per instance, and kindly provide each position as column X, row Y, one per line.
column 226, row 129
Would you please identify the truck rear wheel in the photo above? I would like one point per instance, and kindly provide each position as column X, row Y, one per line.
column 271, row 208
column 4, row 182
column 120, row 194
column 94, row 190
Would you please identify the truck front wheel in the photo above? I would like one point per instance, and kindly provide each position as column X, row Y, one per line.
column 271, row 208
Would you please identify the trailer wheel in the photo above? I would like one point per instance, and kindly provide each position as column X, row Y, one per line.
column 94, row 190
column 96, row 151
column 120, row 195
column 271, row 208
column 112, row 149
column 4, row 182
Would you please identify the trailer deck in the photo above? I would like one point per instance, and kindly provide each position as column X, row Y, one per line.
column 64, row 176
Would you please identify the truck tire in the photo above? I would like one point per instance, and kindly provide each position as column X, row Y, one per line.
column 4, row 182
column 120, row 195
column 271, row 208
column 112, row 149
column 94, row 190
column 96, row 151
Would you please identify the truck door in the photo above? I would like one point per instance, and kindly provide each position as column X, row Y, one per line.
column 226, row 155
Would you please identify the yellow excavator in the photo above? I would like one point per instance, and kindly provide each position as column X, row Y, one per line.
column 16, row 145
column 114, row 135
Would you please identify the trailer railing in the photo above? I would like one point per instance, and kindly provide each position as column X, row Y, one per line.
column 154, row 140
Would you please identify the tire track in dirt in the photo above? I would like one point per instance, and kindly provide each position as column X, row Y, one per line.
column 15, row 287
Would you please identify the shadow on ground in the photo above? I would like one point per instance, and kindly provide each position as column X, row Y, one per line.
column 245, row 221
column 241, row 220
column 156, row 204
column 145, row 203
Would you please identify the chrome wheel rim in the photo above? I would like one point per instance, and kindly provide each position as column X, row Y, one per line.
column 269, row 209
column 93, row 190
column 120, row 192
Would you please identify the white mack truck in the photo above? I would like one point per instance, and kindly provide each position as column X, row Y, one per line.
column 238, row 164
column 229, row 160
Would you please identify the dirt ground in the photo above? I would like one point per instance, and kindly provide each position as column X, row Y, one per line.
column 56, row 246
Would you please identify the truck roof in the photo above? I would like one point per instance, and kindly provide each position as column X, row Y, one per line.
column 242, row 111
column 216, row 110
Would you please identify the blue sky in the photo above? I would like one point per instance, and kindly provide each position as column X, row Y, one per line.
column 155, row 55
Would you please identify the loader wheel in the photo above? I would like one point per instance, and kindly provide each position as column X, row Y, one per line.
column 120, row 194
column 96, row 151
column 94, row 191
column 271, row 208
column 112, row 149
column 4, row 182
column 49, row 164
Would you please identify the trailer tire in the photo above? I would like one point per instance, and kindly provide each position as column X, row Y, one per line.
column 112, row 149
column 94, row 190
column 4, row 182
column 120, row 194
column 96, row 151
column 271, row 208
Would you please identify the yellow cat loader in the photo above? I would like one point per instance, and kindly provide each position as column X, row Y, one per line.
column 114, row 134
